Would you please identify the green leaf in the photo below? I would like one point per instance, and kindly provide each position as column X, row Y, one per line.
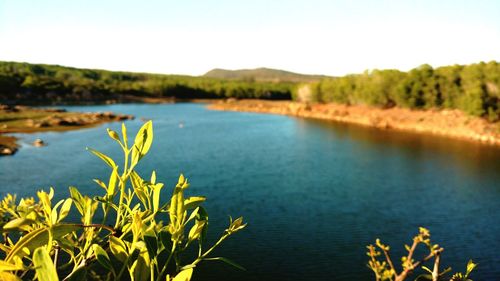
column 228, row 261
column 77, row 198
column 193, row 202
column 118, row 248
column 139, row 187
column 137, row 226
column 63, row 213
column 184, row 275
column 39, row 237
column 46, row 203
column 140, row 268
column 44, row 267
column 113, row 179
column 124, row 135
column 101, row 184
column 153, row 177
column 114, row 135
column 193, row 214
column 7, row 276
column 18, row 223
column 196, row 230
column 237, row 225
column 53, row 216
column 156, row 196
column 176, row 213
column 7, row 266
column 202, row 215
column 470, row 267
column 151, row 243
column 103, row 157
column 142, row 143
column 102, row 257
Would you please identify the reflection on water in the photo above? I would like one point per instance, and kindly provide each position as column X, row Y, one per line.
column 472, row 157
column 314, row 193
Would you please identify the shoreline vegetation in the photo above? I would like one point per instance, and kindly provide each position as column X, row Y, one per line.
column 24, row 119
column 459, row 101
column 449, row 123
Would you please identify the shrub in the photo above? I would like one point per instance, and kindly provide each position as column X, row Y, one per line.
column 385, row 270
column 131, row 241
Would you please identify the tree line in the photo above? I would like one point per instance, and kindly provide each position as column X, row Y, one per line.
column 52, row 84
column 474, row 88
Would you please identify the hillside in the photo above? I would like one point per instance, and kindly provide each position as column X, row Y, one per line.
column 36, row 84
column 262, row 74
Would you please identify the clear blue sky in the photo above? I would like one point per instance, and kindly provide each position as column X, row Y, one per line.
column 192, row 37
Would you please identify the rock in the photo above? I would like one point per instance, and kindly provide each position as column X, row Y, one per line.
column 30, row 122
column 125, row 117
column 7, row 150
column 108, row 114
column 38, row 143
column 56, row 110
column 4, row 107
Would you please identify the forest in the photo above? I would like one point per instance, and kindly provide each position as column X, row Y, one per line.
column 473, row 88
column 52, row 84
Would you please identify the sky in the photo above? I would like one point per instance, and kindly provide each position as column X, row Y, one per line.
column 191, row 37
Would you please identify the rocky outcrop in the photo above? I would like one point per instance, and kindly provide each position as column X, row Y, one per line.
column 76, row 120
column 14, row 120
column 452, row 123
column 4, row 150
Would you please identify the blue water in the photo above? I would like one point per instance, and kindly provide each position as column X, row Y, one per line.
column 314, row 193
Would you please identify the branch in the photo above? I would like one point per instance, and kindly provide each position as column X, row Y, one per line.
column 408, row 270
column 435, row 270
column 389, row 261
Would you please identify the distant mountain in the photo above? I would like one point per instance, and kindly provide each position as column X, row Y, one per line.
column 262, row 74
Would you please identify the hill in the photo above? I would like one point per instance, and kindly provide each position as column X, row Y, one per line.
column 262, row 75
column 37, row 84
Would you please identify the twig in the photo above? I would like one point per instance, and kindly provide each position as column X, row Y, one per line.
column 389, row 261
column 435, row 270
column 408, row 270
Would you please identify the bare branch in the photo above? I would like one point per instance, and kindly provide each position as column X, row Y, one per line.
column 435, row 270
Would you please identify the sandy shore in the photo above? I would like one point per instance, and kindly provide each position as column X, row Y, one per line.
column 450, row 123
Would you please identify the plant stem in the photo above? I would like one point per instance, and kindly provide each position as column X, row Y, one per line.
column 200, row 258
column 123, row 181
column 159, row 277
column 389, row 261
column 435, row 270
column 125, row 265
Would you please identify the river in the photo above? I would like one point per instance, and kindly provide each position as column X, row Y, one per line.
column 314, row 193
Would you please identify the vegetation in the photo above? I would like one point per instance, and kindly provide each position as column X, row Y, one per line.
column 262, row 74
column 24, row 83
column 386, row 271
column 127, row 238
column 474, row 88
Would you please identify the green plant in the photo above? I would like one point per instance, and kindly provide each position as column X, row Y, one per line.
column 386, row 271
column 131, row 240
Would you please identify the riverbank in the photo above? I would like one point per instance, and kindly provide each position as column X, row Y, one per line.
column 450, row 123
column 23, row 119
